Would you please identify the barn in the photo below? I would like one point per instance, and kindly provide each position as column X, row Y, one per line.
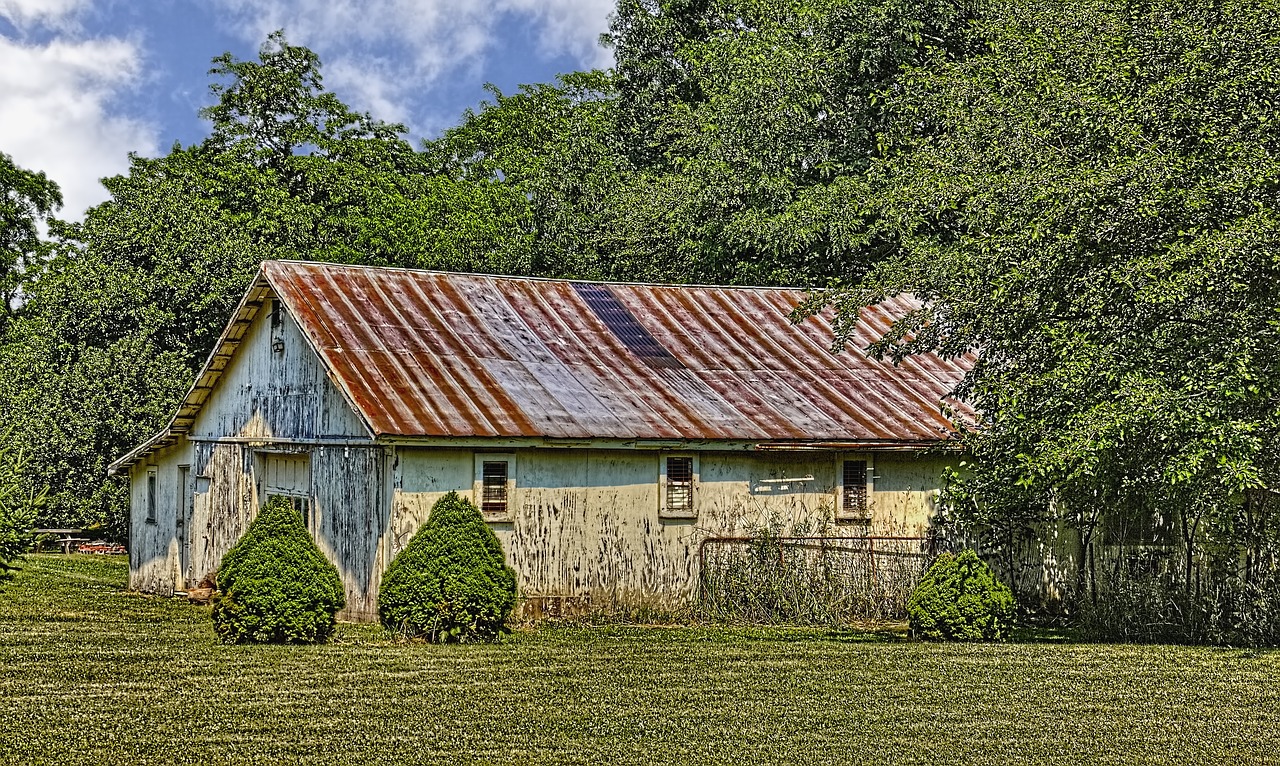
column 605, row 430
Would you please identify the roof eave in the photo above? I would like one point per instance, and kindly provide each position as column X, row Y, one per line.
column 204, row 383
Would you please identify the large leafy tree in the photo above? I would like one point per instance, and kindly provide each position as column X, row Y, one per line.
column 547, row 158
column 729, row 143
column 26, row 198
column 1088, row 204
column 755, row 122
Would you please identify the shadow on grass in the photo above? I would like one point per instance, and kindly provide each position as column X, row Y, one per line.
column 1043, row 635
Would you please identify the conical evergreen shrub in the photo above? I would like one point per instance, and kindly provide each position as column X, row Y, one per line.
column 451, row 582
column 276, row 585
column 960, row 599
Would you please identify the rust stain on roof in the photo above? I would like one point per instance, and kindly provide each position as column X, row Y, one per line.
column 431, row 354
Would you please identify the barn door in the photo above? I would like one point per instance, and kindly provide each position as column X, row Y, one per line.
column 186, row 494
column 289, row 476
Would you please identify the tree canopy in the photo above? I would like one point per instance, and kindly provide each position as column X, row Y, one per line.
column 1087, row 204
column 26, row 198
column 134, row 296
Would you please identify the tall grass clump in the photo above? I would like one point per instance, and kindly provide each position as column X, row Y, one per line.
column 1148, row 607
column 806, row 577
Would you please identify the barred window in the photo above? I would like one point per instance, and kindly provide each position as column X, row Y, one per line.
column 679, row 485
column 495, row 485
column 853, row 500
column 493, row 498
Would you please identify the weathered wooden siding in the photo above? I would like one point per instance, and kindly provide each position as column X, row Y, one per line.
column 153, row 545
column 349, row 494
column 224, row 503
column 274, row 399
column 276, row 387
column 586, row 523
column 220, row 503
column 904, row 487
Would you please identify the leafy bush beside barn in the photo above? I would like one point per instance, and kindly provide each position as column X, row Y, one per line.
column 276, row 585
column 451, row 582
column 959, row 599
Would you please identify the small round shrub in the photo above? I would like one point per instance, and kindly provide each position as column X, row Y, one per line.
column 959, row 599
column 451, row 582
column 276, row 585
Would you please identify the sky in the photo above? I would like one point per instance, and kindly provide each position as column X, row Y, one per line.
column 85, row 82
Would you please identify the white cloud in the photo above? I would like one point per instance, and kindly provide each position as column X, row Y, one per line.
column 24, row 14
column 571, row 27
column 373, row 79
column 55, row 99
column 429, row 40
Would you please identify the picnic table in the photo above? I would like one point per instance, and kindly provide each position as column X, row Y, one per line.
column 67, row 538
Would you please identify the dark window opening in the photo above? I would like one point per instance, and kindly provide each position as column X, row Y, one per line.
column 151, row 494
column 184, row 478
column 493, row 496
column 853, row 501
column 679, row 485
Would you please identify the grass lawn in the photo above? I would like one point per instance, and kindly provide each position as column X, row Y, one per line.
column 92, row 674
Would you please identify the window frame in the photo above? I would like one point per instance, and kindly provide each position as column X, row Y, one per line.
column 665, row 510
column 478, row 486
column 152, row 490
column 863, row 515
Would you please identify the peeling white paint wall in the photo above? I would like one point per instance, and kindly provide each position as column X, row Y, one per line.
column 586, row 524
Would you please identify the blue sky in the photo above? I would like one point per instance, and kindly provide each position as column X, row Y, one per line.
column 85, row 82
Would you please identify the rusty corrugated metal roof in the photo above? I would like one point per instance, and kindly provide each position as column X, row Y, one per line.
column 431, row 354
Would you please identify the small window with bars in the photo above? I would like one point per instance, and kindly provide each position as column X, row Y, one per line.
column 493, row 485
column 677, row 486
column 853, row 490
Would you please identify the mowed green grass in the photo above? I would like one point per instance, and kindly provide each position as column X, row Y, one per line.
column 92, row 674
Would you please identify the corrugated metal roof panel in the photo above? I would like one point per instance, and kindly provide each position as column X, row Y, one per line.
column 430, row 354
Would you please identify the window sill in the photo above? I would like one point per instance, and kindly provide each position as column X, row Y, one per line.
column 685, row 515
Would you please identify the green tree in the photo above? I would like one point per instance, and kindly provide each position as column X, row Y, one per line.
column 959, row 599
column 728, row 144
column 754, row 123
column 18, row 508
column 547, row 159
column 451, row 582
column 275, row 585
column 1087, row 203
column 26, row 197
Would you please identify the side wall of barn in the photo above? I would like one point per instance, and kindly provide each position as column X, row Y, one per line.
column 587, row 525
column 156, row 532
